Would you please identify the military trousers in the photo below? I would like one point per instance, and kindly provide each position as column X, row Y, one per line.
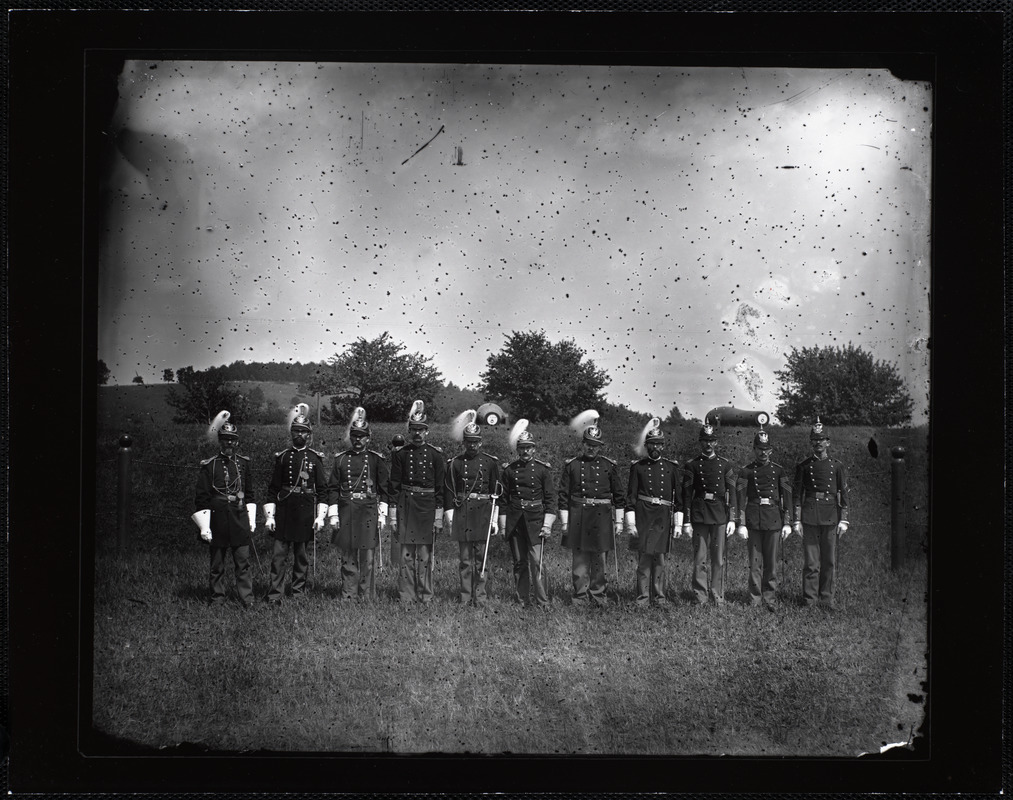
column 526, row 554
column 244, row 578
column 708, row 561
column 819, row 546
column 651, row 578
column 357, row 574
column 589, row 587
column 300, row 568
column 415, row 576
column 470, row 569
column 763, row 547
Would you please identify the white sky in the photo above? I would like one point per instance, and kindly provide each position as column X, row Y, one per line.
column 684, row 226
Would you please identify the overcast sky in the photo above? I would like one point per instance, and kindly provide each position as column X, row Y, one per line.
column 684, row 226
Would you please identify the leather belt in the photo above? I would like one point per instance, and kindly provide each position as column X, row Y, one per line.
column 475, row 496
column 361, row 496
column 654, row 501
column 823, row 496
column 593, row 501
column 423, row 489
column 298, row 490
column 530, row 503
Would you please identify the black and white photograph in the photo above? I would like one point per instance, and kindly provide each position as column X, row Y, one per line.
column 521, row 402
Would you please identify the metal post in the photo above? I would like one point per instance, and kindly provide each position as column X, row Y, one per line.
column 123, row 495
column 897, row 516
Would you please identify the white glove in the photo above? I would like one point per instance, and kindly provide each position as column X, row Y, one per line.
column 797, row 528
column 202, row 519
column 438, row 522
column 332, row 516
column 547, row 521
column 687, row 530
column 318, row 523
column 842, row 526
column 269, row 516
column 251, row 510
column 729, row 529
column 495, row 527
column 742, row 531
column 392, row 517
column 631, row 523
column 785, row 532
column 502, row 523
column 382, row 509
column 564, row 519
column 448, row 519
column 618, row 528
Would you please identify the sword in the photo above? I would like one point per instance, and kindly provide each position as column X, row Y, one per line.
column 488, row 532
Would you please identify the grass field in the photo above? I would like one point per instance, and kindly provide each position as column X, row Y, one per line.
column 321, row 676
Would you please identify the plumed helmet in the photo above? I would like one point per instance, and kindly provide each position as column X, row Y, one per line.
column 651, row 433
column 464, row 427
column 417, row 416
column 298, row 418
column 358, row 425
column 520, row 435
column 707, row 433
column 220, row 428
column 817, row 432
column 586, row 423
column 761, row 441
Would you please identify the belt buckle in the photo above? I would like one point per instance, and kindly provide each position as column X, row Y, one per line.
column 764, row 501
column 708, row 495
column 654, row 501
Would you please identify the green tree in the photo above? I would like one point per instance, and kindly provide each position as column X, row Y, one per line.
column 200, row 394
column 103, row 373
column 168, row 375
column 378, row 375
column 544, row 382
column 675, row 416
column 844, row 386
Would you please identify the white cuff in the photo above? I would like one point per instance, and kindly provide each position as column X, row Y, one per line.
column 449, row 514
column 332, row 511
column 564, row 516
column 631, row 519
column 678, row 519
column 251, row 507
column 382, row 508
column 202, row 518
column 269, row 509
column 547, row 521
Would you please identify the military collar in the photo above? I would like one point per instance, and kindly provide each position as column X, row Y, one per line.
column 708, row 457
column 818, row 457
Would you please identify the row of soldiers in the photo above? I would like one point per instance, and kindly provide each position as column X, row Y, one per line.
column 421, row 492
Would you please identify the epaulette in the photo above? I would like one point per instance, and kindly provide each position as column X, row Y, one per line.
column 671, row 461
column 609, row 460
column 774, row 463
column 319, row 454
column 375, row 453
column 437, row 449
column 570, row 459
column 636, row 461
column 494, row 458
column 207, row 461
column 245, row 458
column 280, row 453
column 544, row 463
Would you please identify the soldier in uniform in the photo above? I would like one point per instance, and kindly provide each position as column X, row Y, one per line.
column 226, row 510
column 708, row 497
column 357, row 508
column 653, row 512
column 298, row 488
column 764, row 502
column 820, row 492
column 416, row 478
column 470, row 489
column 527, row 510
column 591, row 499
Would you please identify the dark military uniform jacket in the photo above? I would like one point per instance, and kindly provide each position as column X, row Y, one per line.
column 764, row 492
column 591, row 490
column 708, row 490
column 469, row 488
column 298, row 483
column 225, row 485
column 416, row 479
column 654, row 493
column 820, row 491
column 529, row 493
column 357, row 485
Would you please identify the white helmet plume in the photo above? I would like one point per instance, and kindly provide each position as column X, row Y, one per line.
column 653, row 424
column 358, row 415
column 418, row 408
column 583, row 419
column 462, row 421
column 519, row 427
column 300, row 408
column 216, row 425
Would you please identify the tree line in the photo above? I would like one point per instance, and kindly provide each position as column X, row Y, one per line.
column 529, row 377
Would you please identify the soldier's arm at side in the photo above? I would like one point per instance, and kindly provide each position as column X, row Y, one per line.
column 564, row 489
column 382, row 481
column 549, row 492
column 202, row 497
column 741, row 489
column 632, row 488
column 439, row 476
column 842, row 491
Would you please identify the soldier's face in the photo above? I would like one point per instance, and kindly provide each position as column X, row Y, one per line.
column 471, row 447
column 418, row 435
column 821, row 445
column 526, row 453
column 654, row 451
column 300, row 438
column 228, row 445
column 707, row 446
column 359, row 443
column 762, row 454
column 591, row 450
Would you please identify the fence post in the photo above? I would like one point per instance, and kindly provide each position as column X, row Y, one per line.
column 897, row 521
column 123, row 495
